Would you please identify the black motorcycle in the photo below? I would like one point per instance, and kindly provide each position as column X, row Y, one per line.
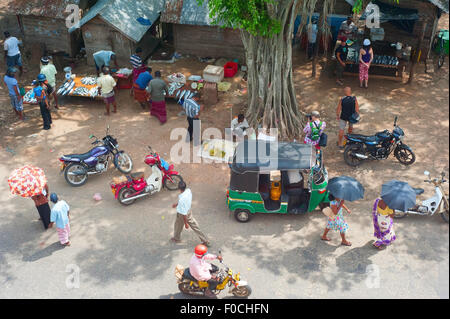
column 378, row 147
column 77, row 167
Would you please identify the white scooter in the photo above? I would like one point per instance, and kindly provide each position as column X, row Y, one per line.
column 438, row 203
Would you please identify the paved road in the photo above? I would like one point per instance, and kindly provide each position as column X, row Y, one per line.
column 126, row 253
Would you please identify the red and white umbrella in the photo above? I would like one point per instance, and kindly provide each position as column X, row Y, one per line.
column 27, row 181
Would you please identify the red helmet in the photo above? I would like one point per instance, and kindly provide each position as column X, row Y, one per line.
column 200, row 250
column 150, row 160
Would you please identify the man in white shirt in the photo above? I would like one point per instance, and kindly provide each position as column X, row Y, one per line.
column 347, row 29
column 106, row 86
column 184, row 216
column 239, row 125
column 312, row 37
column 12, row 52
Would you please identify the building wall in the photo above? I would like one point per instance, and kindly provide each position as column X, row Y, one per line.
column 98, row 36
column 206, row 41
column 10, row 23
column 52, row 33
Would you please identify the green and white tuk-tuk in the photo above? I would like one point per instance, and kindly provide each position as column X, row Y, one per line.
column 269, row 177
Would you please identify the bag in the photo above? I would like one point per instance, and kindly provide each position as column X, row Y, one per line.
column 323, row 140
column 315, row 131
column 354, row 118
column 328, row 212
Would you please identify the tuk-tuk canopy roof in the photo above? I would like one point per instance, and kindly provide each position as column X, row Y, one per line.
column 259, row 155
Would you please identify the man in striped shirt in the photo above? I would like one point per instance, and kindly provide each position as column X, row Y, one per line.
column 192, row 109
column 136, row 59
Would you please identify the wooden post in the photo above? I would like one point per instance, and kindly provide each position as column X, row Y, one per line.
column 417, row 53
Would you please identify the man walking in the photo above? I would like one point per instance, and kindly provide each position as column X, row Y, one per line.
column 192, row 109
column 60, row 216
column 14, row 93
column 156, row 88
column 348, row 105
column 106, row 85
column 184, row 216
column 12, row 52
column 49, row 70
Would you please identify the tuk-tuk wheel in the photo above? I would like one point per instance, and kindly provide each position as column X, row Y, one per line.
column 242, row 215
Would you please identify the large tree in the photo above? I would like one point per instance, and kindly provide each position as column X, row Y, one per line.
column 267, row 31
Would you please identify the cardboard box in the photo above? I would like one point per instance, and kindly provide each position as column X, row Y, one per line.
column 213, row 73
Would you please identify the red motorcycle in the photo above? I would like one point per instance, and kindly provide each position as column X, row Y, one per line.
column 127, row 189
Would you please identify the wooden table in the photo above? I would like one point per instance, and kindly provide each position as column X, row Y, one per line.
column 398, row 76
column 124, row 82
column 186, row 86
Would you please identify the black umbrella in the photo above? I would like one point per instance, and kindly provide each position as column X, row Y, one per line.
column 398, row 195
column 346, row 188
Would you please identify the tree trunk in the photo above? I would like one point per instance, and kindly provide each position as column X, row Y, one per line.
column 272, row 100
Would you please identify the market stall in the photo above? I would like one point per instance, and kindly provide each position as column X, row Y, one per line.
column 181, row 88
column 79, row 86
column 389, row 63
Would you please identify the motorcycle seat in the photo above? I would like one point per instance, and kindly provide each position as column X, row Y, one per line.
column 364, row 138
column 78, row 156
column 136, row 176
column 187, row 275
column 419, row 190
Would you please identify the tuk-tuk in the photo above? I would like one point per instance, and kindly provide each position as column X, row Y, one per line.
column 269, row 177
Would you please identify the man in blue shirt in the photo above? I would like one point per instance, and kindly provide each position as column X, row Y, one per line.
column 144, row 78
column 104, row 58
column 192, row 109
column 60, row 216
column 40, row 92
column 14, row 93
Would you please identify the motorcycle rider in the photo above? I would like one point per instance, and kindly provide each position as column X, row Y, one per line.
column 201, row 270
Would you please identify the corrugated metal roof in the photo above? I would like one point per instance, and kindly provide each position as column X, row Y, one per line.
column 123, row 15
column 441, row 4
column 43, row 8
column 186, row 12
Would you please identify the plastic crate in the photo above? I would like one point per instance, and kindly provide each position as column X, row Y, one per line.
column 230, row 69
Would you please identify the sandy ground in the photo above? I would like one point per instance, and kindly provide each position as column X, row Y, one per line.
column 125, row 251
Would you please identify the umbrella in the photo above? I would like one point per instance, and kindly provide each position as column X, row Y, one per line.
column 346, row 188
column 398, row 195
column 27, row 181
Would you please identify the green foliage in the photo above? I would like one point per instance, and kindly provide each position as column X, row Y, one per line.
column 358, row 6
column 249, row 15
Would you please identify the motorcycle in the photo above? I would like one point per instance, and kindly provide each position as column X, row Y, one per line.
column 437, row 203
column 77, row 167
column 190, row 286
column 126, row 189
column 378, row 147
